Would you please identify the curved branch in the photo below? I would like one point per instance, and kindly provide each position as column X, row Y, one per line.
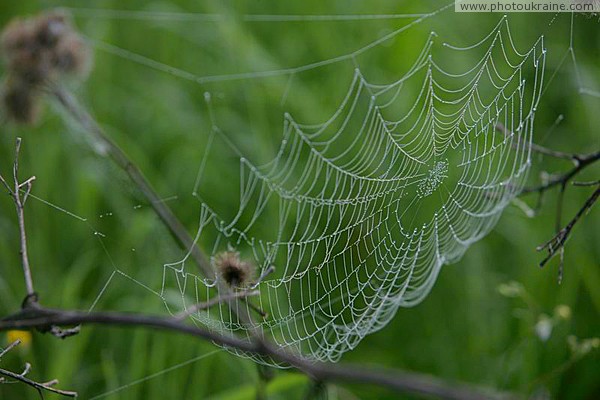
column 404, row 382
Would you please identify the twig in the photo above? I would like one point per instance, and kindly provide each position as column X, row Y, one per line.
column 557, row 243
column 15, row 193
column 62, row 333
column 40, row 387
column 399, row 381
column 37, row 385
column 591, row 183
column 213, row 302
column 582, row 161
column 9, row 348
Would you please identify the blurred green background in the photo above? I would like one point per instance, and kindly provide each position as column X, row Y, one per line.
column 480, row 324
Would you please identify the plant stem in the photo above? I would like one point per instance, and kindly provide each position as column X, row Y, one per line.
column 110, row 149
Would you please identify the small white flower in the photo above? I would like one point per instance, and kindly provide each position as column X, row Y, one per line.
column 543, row 328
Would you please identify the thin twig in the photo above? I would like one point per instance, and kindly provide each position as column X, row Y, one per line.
column 37, row 385
column 591, row 183
column 213, row 302
column 26, row 369
column 19, row 200
column 40, row 387
column 9, row 348
column 15, row 193
column 559, row 210
column 583, row 161
column 6, row 185
column 403, row 382
column 557, row 243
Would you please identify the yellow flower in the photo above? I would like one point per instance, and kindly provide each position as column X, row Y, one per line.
column 24, row 336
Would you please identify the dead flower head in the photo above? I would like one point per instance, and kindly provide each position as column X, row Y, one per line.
column 38, row 51
column 20, row 103
column 232, row 270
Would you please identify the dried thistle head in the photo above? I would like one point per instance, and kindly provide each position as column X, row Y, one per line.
column 232, row 270
column 37, row 51
column 19, row 103
column 50, row 28
column 20, row 52
column 72, row 56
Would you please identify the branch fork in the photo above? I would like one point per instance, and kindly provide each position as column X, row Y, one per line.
column 22, row 377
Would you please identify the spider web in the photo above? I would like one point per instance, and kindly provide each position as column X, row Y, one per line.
column 359, row 213
column 366, row 207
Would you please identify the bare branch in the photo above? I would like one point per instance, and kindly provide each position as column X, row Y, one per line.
column 591, row 183
column 557, row 243
column 9, row 348
column 26, row 370
column 15, row 193
column 399, row 381
column 29, row 184
column 40, row 387
column 583, row 161
column 6, row 185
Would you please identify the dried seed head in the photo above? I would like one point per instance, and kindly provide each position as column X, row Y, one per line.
column 38, row 51
column 50, row 28
column 20, row 105
column 17, row 35
column 72, row 56
column 20, row 52
column 234, row 271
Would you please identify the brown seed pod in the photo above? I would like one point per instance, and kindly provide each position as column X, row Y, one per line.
column 232, row 270
column 50, row 28
column 72, row 56
column 19, row 33
column 39, row 51
column 19, row 103
column 20, row 51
